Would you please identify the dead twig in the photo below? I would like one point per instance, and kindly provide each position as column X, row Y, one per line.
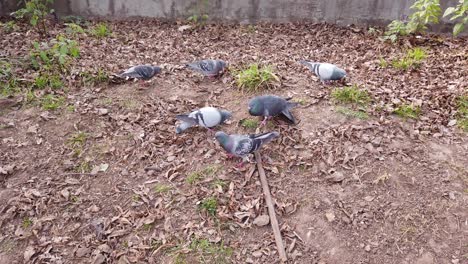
column 271, row 209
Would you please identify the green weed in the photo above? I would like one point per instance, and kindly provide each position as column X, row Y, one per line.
column 408, row 111
column 101, row 30
column 209, row 205
column 36, row 11
column 351, row 95
column 9, row 26
column 256, row 77
column 27, row 222
column 74, row 29
column 54, row 56
column 383, row 63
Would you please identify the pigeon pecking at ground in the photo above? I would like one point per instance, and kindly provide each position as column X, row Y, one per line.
column 242, row 145
column 209, row 68
column 271, row 105
column 325, row 71
column 140, row 72
column 207, row 117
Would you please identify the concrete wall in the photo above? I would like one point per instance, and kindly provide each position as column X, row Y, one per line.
column 370, row 12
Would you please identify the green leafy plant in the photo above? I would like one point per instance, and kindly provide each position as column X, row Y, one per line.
column 198, row 20
column 8, row 82
column 210, row 205
column 55, row 55
column 9, row 26
column 351, row 95
column 74, row 29
column 383, row 63
column 425, row 12
column 458, row 12
column 256, row 77
column 199, row 16
column 36, row 11
column 408, row 111
column 101, row 30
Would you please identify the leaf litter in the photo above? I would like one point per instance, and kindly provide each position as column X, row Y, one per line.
column 321, row 173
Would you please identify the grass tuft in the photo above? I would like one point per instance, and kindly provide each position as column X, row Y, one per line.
column 200, row 174
column 249, row 123
column 408, row 111
column 412, row 59
column 256, row 77
column 52, row 102
column 352, row 113
column 216, row 253
column 162, row 188
column 101, row 30
column 351, row 95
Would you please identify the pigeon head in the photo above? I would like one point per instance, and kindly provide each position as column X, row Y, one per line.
column 222, row 137
column 225, row 115
column 223, row 63
column 255, row 107
column 156, row 69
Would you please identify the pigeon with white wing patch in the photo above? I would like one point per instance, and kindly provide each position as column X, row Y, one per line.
column 243, row 145
column 207, row 117
column 325, row 71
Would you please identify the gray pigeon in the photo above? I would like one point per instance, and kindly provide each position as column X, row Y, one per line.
column 271, row 105
column 325, row 71
column 142, row 72
column 242, row 145
column 206, row 117
column 209, row 68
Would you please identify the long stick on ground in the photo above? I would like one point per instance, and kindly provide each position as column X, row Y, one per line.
column 271, row 209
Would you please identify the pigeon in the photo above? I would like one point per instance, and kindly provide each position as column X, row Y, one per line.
column 142, row 72
column 271, row 105
column 325, row 71
column 242, row 145
column 206, row 117
column 209, row 68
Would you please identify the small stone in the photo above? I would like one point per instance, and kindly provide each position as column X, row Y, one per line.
column 452, row 122
column 330, row 216
column 257, row 254
column 81, row 252
column 171, row 158
column 336, row 177
column 455, row 261
column 102, row 111
column 261, row 220
column 367, row 248
column 249, row 260
column 346, row 220
column 105, row 248
column 65, row 193
column 94, row 208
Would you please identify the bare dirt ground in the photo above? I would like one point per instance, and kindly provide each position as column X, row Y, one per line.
column 378, row 190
